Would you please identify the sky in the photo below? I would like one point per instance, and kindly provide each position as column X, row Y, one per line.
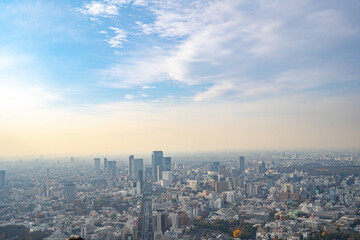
column 127, row 76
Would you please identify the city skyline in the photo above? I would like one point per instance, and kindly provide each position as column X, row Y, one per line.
column 293, row 195
column 109, row 76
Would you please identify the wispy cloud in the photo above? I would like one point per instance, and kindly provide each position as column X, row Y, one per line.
column 214, row 91
column 232, row 44
column 99, row 9
column 148, row 87
column 118, row 39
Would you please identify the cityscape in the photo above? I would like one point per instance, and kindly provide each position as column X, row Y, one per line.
column 284, row 195
column 179, row 120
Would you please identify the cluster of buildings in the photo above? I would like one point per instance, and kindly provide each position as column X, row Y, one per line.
column 258, row 196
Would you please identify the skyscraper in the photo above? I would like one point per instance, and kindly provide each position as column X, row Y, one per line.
column 97, row 164
column 156, row 160
column 262, row 167
column 2, row 178
column 131, row 159
column 138, row 165
column 167, row 163
column 47, row 182
column 70, row 191
column 242, row 164
column 112, row 169
column 105, row 163
column 160, row 169
column 140, row 178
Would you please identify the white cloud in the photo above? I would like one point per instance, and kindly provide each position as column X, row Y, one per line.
column 214, row 91
column 118, row 39
column 148, row 87
column 95, row 8
column 231, row 45
column 137, row 72
column 107, row 8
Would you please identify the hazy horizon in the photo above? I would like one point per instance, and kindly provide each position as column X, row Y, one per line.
column 123, row 156
column 108, row 76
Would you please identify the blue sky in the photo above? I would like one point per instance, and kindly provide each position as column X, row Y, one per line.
column 194, row 49
column 89, row 56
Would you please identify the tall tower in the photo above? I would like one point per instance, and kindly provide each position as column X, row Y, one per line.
column 2, row 178
column 160, row 170
column 47, row 183
column 138, row 165
column 156, row 160
column 97, row 164
column 262, row 167
column 167, row 163
column 131, row 160
column 242, row 164
column 105, row 163
column 140, row 178
column 112, row 169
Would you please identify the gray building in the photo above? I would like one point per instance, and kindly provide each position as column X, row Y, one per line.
column 131, row 160
column 69, row 191
column 138, row 165
column 167, row 163
column 160, row 169
column 97, row 164
column 112, row 169
column 262, row 167
column 2, row 178
column 105, row 163
column 242, row 164
column 156, row 160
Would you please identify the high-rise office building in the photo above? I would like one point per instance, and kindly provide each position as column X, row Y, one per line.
column 262, row 167
column 140, row 178
column 2, row 178
column 72, row 160
column 160, row 222
column 242, row 164
column 156, row 160
column 159, row 171
column 138, row 165
column 97, row 164
column 167, row 163
column 105, row 163
column 47, row 182
column 130, row 171
column 70, row 191
column 112, row 169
